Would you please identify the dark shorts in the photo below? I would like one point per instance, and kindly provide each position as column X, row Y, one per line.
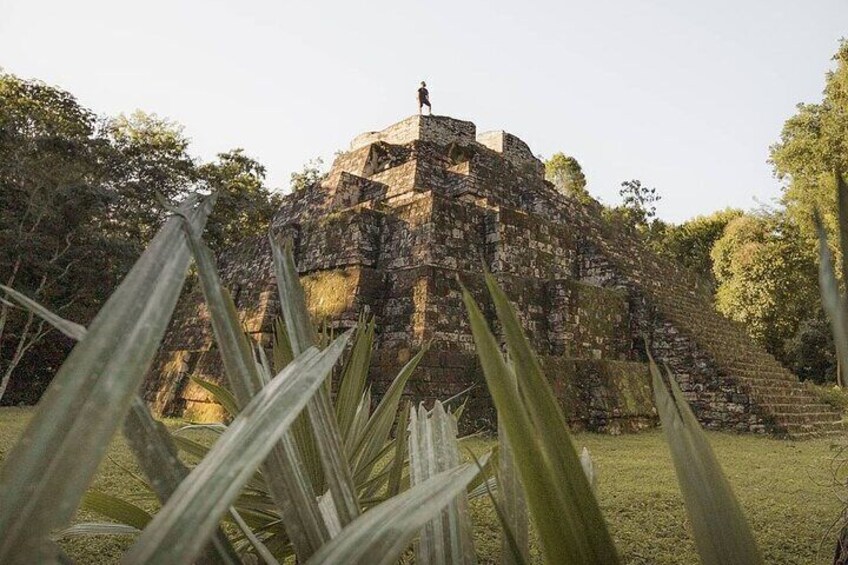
column 423, row 101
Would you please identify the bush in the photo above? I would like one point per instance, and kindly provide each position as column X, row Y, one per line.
column 810, row 352
column 834, row 395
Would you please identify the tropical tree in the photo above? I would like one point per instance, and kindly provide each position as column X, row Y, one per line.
column 245, row 205
column 311, row 174
column 766, row 277
column 567, row 176
column 56, row 243
column 80, row 197
column 814, row 144
column 691, row 242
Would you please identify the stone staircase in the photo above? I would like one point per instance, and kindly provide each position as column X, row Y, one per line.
column 785, row 406
column 788, row 407
column 793, row 409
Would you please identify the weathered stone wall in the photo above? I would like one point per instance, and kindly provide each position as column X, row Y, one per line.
column 513, row 150
column 411, row 211
column 435, row 129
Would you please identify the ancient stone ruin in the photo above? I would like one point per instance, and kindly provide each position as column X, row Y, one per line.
column 407, row 211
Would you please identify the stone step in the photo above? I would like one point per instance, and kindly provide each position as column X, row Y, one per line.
column 778, row 409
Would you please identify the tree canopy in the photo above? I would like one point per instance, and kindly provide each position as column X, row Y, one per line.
column 567, row 176
column 814, row 144
column 766, row 277
column 80, row 198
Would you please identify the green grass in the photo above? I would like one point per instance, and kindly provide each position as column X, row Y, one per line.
column 786, row 489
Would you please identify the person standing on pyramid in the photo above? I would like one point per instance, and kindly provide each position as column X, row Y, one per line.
column 424, row 99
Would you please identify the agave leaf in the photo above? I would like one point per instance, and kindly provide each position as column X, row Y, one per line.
column 399, row 456
column 570, row 524
column 379, row 536
column 156, row 454
column 301, row 430
column 191, row 447
column 150, row 442
column 96, row 529
column 722, row 534
column 354, row 377
column 289, row 487
column 221, row 395
column 45, row 474
column 337, row 472
column 70, row 329
column 833, row 300
column 179, row 530
column 116, row 508
column 360, row 419
column 260, row 547
column 842, row 200
column 433, row 448
column 281, row 351
column 512, row 507
column 379, row 426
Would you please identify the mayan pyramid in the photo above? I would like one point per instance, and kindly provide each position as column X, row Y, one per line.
column 406, row 211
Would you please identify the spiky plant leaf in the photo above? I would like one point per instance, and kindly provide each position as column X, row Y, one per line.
column 380, row 535
column 832, row 298
column 400, row 445
column 432, row 449
column 45, row 475
column 354, row 378
column 566, row 514
column 118, row 509
column 96, row 529
column 221, row 395
column 328, row 441
column 290, row 488
column 512, row 506
column 379, row 427
column 180, row 529
column 722, row 534
column 156, row 454
column 70, row 329
column 261, row 549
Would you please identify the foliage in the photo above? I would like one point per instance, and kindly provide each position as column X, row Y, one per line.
column 766, row 277
column 311, row 174
column 148, row 156
column 813, row 144
column 245, row 205
column 691, row 242
column 637, row 211
column 831, row 394
column 567, row 176
column 79, row 200
column 810, row 352
column 56, row 242
column 638, row 202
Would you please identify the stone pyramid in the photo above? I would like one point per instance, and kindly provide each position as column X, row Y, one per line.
column 408, row 210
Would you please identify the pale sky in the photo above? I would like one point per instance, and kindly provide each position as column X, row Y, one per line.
column 685, row 96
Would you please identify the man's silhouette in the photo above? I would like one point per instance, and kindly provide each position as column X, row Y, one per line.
column 424, row 98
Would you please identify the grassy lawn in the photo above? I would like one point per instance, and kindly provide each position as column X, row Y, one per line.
column 786, row 489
